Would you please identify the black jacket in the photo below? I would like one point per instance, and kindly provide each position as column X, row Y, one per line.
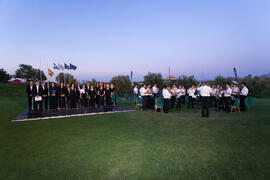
column 29, row 91
column 38, row 92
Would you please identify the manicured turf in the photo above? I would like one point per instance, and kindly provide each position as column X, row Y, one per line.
column 136, row 145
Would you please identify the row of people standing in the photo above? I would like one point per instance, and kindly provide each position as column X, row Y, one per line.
column 69, row 96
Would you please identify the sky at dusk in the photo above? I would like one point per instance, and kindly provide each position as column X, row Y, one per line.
column 105, row 38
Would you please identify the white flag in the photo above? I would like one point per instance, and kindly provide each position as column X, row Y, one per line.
column 61, row 66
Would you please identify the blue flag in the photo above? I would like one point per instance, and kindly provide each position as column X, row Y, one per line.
column 55, row 66
column 131, row 75
column 73, row 67
column 67, row 66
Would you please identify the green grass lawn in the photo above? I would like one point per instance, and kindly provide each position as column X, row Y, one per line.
column 136, row 145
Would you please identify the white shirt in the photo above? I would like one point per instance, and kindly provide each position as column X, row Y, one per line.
column 183, row 91
column 155, row 90
column 235, row 90
column 143, row 91
column 244, row 91
column 228, row 92
column 135, row 90
column 220, row 93
column 166, row 94
column 205, row 91
column 191, row 92
column 214, row 92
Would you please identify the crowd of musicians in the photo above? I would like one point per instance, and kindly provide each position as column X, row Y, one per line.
column 70, row 96
column 208, row 96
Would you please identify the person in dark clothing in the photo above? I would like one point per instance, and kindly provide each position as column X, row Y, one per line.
column 92, row 96
column 73, row 96
column 37, row 94
column 108, row 94
column 53, row 96
column 79, row 102
column 62, row 96
column 97, row 96
column 44, row 95
column 101, row 94
column 68, row 97
column 113, row 92
column 83, row 96
column 29, row 91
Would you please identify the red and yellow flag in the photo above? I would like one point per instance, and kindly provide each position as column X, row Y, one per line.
column 50, row 72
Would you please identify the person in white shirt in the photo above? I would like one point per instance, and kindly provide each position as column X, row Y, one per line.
column 143, row 93
column 243, row 95
column 220, row 94
column 184, row 95
column 191, row 96
column 155, row 90
column 213, row 96
column 135, row 90
column 166, row 96
column 205, row 92
column 179, row 96
column 173, row 98
column 235, row 90
column 227, row 97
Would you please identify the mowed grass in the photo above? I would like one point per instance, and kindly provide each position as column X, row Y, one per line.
column 136, row 145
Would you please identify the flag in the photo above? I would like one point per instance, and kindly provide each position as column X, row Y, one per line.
column 55, row 66
column 71, row 66
column 50, row 73
column 67, row 66
column 61, row 67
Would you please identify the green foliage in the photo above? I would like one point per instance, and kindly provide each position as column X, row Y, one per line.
column 220, row 80
column 255, row 84
column 122, row 84
column 65, row 78
column 154, row 78
column 28, row 72
column 4, row 76
column 186, row 81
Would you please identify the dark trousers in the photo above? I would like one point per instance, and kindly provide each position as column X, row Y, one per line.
column 144, row 105
column 45, row 102
column 227, row 104
column 243, row 103
column 166, row 105
column 190, row 101
column 221, row 103
column 173, row 98
column 30, row 99
column 179, row 102
column 38, row 106
column 205, row 106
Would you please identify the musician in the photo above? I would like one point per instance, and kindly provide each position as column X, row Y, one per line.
column 173, row 97
column 108, row 95
column 101, row 94
column 213, row 96
column 78, row 88
column 113, row 92
column 143, row 93
column 135, row 90
column 45, row 95
column 227, row 97
column 53, row 91
column 179, row 97
column 243, row 95
column 220, row 95
column 204, row 91
column 191, row 96
column 62, row 96
column 235, row 93
column 37, row 94
column 83, row 96
column 167, row 96
column 29, row 91
column 155, row 90
column 184, row 95
column 73, row 96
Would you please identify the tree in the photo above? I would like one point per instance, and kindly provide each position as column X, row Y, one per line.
column 220, row 80
column 28, row 72
column 154, row 78
column 4, row 76
column 255, row 84
column 122, row 84
column 186, row 81
column 65, row 78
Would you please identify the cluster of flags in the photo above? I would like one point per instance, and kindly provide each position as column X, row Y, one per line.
column 61, row 67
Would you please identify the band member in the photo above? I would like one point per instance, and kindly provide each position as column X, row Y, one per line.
column 29, row 91
column 143, row 93
column 184, row 95
column 97, row 96
column 92, row 96
column 191, row 94
column 173, row 97
column 45, row 95
column 155, row 90
column 235, row 91
column 108, row 95
column 37, row 94
column 78, row 88
column 68, row 96
column 166, row 96
column 227, row 97
column 179, row 97
column 113, row 92
column 73, row 96
column 101, row 94
column 213, row 96
column 220, row 95
column 243, row 95
column 135, row 90
column 83, row 96
column 53, row 96
column 205, row 95
column 62, row 96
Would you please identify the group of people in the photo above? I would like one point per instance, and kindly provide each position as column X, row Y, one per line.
column 70, row 96
column 203, row 93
